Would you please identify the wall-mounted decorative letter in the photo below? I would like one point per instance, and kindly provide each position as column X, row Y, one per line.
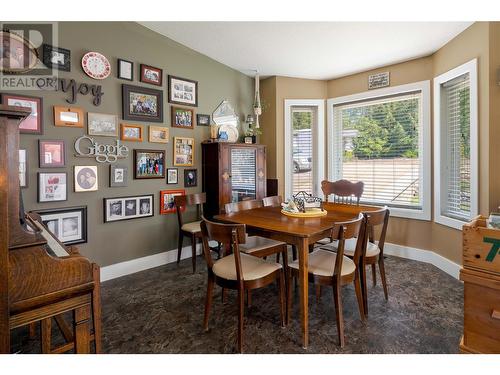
column 101, row 152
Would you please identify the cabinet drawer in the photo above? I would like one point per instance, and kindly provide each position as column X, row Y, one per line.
column 482, row 318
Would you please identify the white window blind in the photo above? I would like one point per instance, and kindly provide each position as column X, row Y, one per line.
column 379, row 141
column 303, row 119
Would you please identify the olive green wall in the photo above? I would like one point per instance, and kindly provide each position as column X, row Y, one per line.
column 125, row 240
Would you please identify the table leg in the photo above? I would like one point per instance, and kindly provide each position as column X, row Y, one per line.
column 303, row 250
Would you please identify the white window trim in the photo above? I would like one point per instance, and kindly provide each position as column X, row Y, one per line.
column 425, row 167
column 471, row 68
column 318, row 143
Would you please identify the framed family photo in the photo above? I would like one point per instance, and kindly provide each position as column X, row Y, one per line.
column 131, row 133
column 125, row 69
column 86, row 178
column 182, row 91
column 149, row 164
column 172, row 176
column 126, row 208
column 183, row 152
column 182, row 117
column 52, row 154
column 202, row 120
column 102, row 125
column 68, row 116
column 152, row 75
column 142, row 104
column 167, row 205
column 56, row 57
column 33, row 123
column 158, row 134
column 69, row 225
column 23, row 168
column 52, row 187
column 118, row 175
column 190, row 177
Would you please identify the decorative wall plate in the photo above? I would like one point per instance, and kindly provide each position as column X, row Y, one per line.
column 96, row 65
column 231, row 132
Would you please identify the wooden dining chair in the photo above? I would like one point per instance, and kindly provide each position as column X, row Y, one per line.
column 237, row 270
column 327, row 268
column 275, row 201
column 343, row 191
column 374, row 250
column 191, row 229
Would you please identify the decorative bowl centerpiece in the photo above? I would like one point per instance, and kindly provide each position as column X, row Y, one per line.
column 303, row 204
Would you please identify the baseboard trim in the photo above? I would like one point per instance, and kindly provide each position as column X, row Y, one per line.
column 128, row 267
column 141, row 264
column 426, row 256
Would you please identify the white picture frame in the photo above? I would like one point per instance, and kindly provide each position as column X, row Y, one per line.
column 101, row 124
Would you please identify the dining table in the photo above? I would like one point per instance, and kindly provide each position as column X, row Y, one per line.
column 270, row 222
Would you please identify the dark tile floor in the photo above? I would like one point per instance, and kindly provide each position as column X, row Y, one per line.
column 161, row 311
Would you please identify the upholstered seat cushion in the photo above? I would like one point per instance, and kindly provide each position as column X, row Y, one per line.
column 350, row 246
column 253, row 268
column 322, row 263
column 191, row 227
column 257, row 243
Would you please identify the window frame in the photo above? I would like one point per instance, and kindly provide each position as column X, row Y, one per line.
column 318, row 146
column 469, row 67
column 425, row 133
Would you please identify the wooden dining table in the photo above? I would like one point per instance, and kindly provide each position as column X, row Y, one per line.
column 302, row 232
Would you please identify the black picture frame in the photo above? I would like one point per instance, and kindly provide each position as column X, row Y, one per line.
column 127, row 90
column 119, row 70
column 171, row 91
column 140, row 176
column 187, row 180
column 53, row 211
column 123, row 216
column 202, row 120
column 47, row 49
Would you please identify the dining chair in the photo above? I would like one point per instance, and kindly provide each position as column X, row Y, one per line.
column 343, row 191
column 237, row 270
column 275, row 201
column 191, row 229
column 374, row 250
column 327, row 268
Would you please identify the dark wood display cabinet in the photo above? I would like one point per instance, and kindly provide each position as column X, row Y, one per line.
column 232, row 172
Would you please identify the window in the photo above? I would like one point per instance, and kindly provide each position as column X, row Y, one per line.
column 304, row 166
column 382, row 138
column 455, row 144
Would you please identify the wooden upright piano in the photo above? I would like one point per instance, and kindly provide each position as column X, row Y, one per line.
column 40, row 278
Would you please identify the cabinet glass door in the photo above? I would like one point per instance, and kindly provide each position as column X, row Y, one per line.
column 243, row 174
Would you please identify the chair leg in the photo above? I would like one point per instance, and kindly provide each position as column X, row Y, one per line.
column 32, row 330
column 381, row 267
column 294, row 252
column 219, row 250
column 282, row 298
column 359, row 295
column 277, row 257
column 364, row 286
column 179, row 247
column 374, row 275
column 318, row 293
column 285, row 269
column 193, row 253
column 339, row 313
column 241, row 308
column 46, row 334
column 208, row 301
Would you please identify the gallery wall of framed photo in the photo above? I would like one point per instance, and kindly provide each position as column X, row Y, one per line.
column 113, row 211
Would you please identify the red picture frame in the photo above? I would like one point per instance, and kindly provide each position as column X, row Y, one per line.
column 150, row 74
column 33, row 124
column 51, row 154
column 166, row 200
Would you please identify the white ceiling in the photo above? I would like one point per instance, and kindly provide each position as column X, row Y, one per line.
column 316, row 50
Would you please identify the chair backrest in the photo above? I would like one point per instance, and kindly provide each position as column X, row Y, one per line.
column 342, row 231
column 376, row 219
column 343, row 191
column 230, row 235
column 274, row 201
column 242, row 206
column 182, row 201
